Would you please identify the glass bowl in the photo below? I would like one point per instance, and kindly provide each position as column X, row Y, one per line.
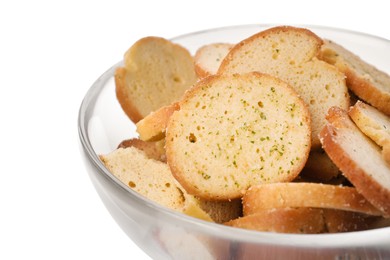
column 165, row 234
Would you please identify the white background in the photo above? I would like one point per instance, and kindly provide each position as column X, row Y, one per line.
column 50, row 54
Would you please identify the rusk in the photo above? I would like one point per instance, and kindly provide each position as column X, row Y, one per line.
column 235, row 131
column 366, row 81
column 133, row 168
column 208, row 58
column 374, row 124
column 289, row 53
column 304, row 221
column 300, row 194
column 283, row 220
column 156, row 73
column 152, row 179
column 358, row 157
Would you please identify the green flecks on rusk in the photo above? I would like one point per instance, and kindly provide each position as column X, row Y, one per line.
column 204, row 175
column 291, row 108
column 236, row 139
column 263, row 116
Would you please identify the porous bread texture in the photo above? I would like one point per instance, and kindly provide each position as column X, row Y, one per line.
column 134, row 165
column 152, row 179
column 366, row 81
column 208, row 58
column 305, row 195
column 152, row 127
column 289, row 53
column 358, row 157
column 304, row 221
column 234, row 131
column 374, row 124
column 156, row 73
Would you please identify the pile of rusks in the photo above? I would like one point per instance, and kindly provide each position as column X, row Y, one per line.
column 282, row 132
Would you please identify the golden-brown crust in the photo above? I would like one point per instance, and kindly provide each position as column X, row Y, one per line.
column 198, row 85
column 367, row 91
column 314, row 195
column 306, row 221
column 126, row 103
column 264, row 34
column 374, row 124
column 365, row 184
column 200, row 71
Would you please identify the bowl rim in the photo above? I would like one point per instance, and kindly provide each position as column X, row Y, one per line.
column 269, row 25
column 335, row 240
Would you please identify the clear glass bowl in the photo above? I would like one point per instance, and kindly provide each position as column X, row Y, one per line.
column 165, row 234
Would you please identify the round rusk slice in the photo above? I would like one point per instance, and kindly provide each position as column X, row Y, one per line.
column 235, row 131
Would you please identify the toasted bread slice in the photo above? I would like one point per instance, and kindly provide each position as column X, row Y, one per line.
column 132, row 167
column 156, row 73
column 208, row 58
column 374, row 124
column 289, row 53
column 278, row 47
column 366, row 81
column 305, row 221
column 152, row 179
column 283, row 220
column 299, row 195
column 337, row 221
column 153, row 150
column 234, row 131
column 358, row 157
